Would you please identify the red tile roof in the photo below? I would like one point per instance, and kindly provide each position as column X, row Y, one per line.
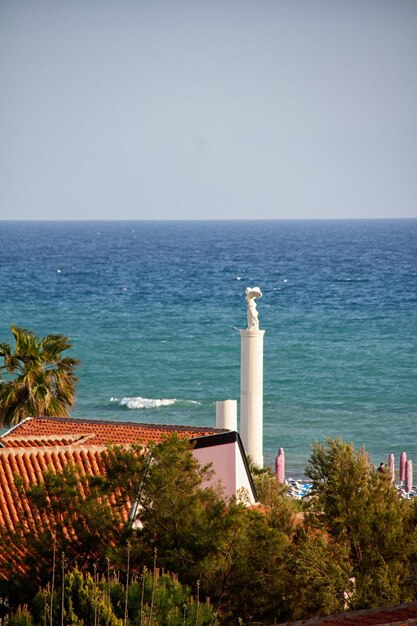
column 399, row 615
column 29, row 464
column 42, row 442
column 38, row 444
column 99, row 431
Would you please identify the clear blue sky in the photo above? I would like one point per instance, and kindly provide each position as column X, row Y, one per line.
column 240, row 109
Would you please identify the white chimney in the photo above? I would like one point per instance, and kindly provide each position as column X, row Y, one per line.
column 226, row 414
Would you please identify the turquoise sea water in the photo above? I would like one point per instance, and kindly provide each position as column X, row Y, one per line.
column 152, row 310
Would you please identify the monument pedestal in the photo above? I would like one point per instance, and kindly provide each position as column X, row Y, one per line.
column 251, row 393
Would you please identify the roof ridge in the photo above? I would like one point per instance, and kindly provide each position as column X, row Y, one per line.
column 41, row 450
column 77, row 420
column 72, row 436
column 11, row 429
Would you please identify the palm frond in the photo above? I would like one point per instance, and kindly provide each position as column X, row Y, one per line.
column 44, row 381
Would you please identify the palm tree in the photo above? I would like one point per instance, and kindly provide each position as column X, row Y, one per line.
column 44, row 380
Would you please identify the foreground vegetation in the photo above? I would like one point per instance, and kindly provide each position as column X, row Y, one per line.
column 153, row 598
column 351, row 546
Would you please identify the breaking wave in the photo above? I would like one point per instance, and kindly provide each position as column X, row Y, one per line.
column 143, row 403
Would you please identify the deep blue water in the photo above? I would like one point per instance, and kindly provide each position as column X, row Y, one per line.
column 152, row 310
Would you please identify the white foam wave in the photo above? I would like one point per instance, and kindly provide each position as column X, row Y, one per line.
column 137, row 402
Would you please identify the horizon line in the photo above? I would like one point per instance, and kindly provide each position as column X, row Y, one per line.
column 254, row 219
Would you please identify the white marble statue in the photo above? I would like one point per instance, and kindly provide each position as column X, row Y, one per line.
column 251, row 294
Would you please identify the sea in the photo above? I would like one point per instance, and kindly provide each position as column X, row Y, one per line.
column 153, row 312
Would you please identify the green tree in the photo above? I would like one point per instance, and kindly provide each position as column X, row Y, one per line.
column 280, row 510
column 358, row 507
column 22, row 617
column 317, row 575
column 81, row 602
column 160, row 598
column 43, row 381
column 246, row 576
column 235, row 555
column 238, row 554
column 67, row 512
column 175, row 513
column 155, row 598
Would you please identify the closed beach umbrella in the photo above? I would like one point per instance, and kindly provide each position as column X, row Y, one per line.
column 403, row 461
column 408, row 475
column 280, row 466
column 391, row 467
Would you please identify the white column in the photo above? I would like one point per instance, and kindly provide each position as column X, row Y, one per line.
column 226, row 414
column 251, row 393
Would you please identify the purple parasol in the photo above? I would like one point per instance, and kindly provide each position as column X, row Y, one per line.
column 403, row 461
column 409, row 475
column 280, row 466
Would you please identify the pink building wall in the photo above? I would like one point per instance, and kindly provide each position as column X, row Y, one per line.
column 230, row 470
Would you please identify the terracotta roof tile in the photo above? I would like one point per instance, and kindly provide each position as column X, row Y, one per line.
column 37, row 444
column 26, row 451
column 29, row 464
column 60, row 429
column 399, row 615
column 42, row 442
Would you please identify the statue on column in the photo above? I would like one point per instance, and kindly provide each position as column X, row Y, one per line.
column 251, row 294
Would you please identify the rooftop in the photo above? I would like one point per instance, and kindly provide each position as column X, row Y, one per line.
column 40, row 431
column 50, row 443
column 29, row 464
column 15, row 511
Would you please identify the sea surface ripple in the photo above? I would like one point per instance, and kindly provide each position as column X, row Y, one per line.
column 152, row 310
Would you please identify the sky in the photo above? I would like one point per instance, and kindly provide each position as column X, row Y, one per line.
column 208, row 109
